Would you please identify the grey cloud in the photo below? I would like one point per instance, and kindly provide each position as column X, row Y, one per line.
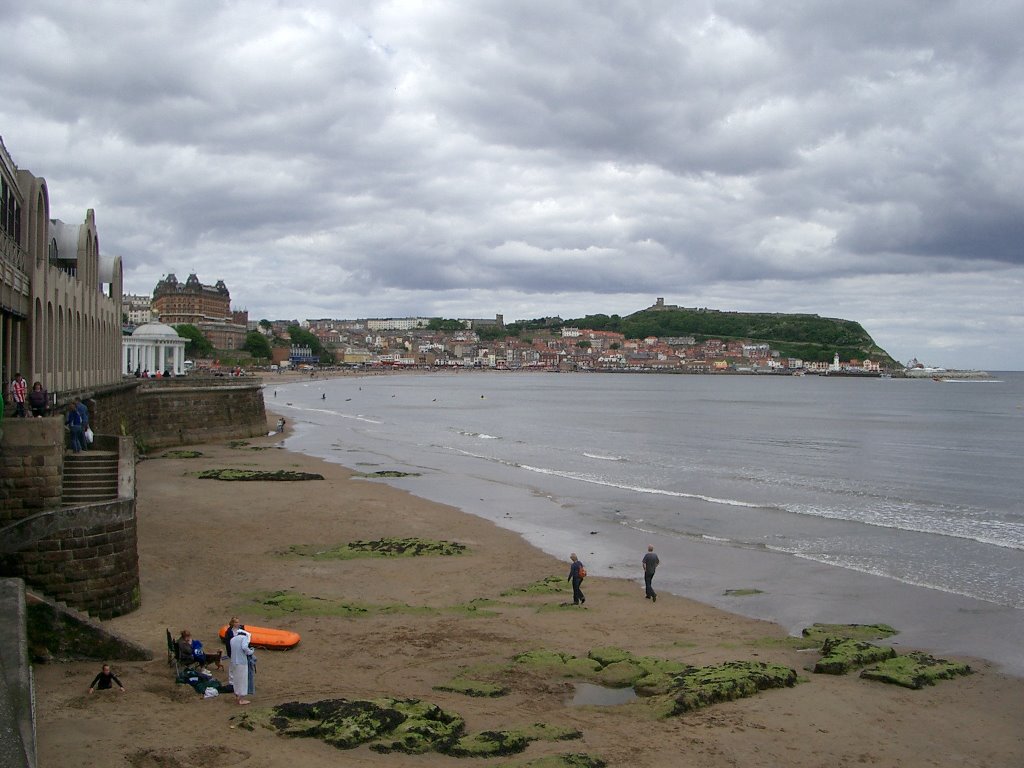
column 588, row 155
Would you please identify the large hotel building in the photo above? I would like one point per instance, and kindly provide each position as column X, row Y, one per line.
column 207, row 307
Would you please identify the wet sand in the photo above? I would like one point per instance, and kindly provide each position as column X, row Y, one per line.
column 208, row 549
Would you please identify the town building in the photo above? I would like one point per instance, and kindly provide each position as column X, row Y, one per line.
column 207, row 307
column 60, row 299
column 138, row 308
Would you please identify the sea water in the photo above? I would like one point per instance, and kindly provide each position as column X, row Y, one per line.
column 819, row 498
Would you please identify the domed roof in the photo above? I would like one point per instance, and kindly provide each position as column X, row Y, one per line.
column 155, row 331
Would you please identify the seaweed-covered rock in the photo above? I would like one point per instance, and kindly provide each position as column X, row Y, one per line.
column 563, row 663
column 341, row 723
column 609, row 655
column 725, row 682
column 620, row 674
column 509, row 742
column 406, row 725
column 819, row 633
column 255, row 474
column 840, row 655
column 489, row 744
column 426, row 727
column 549, row 585
column 181, row 454
column 388, row 547
column 915, row 670
column 475, row 688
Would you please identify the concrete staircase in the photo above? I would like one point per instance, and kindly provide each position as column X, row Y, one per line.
column 89, row 476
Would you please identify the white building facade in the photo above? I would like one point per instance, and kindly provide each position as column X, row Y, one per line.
column 153, row 349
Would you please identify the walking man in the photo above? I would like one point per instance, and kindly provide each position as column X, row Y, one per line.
column 650, row 564
column 576, row 574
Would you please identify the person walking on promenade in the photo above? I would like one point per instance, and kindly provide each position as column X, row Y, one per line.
column 650, row 564
column 74, row 422
column 576, row 574
column 19, row 390
column 83, row 411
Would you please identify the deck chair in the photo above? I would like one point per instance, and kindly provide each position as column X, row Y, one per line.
column 180, row 662
column 174, row 657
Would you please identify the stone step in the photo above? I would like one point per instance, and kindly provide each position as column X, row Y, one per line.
column 89, row 477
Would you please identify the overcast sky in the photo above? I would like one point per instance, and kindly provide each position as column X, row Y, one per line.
column 862, row 160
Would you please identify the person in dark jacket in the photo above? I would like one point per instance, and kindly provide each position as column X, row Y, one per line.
column 37, row 400
column 650, row 564
column 576, row 577
column 74, row 422
column 104, row 680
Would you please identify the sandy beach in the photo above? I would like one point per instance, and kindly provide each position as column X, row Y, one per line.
column 210, row 549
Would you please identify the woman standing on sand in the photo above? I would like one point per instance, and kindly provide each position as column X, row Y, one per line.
column 240, row 655
column 233, row 626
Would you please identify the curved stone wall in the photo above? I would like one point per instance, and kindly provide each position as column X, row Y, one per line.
column 88, row 557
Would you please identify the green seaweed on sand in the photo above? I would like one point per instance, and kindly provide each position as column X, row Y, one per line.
column 256, row 474
column 384, row 473
column 672, row 687
column 549, row 585
column 648, row 675
column 915, row 670
column 509, row 742
column 840, row 655
column 387, row 547
column 385, row 724
column 389, row 725
column 283, row 603
column 745, row 592
column 570, row 760
column 477, row 608
column 562, row 664
column 181, row 454
column 473, row 688
column 816, row 634
column 697, row 688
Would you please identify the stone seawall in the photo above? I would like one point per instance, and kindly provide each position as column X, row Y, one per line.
column 194, row 409
column 85, row 556
column 31, row 467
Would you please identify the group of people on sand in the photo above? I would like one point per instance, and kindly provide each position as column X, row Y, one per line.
column 242, row 657
column 577, row 572
column 241, row 661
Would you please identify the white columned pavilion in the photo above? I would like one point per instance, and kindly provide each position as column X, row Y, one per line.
column 153, row 348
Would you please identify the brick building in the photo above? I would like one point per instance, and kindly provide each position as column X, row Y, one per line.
column 207, row 307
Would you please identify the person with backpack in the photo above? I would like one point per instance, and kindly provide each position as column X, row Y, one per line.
column 576, row 575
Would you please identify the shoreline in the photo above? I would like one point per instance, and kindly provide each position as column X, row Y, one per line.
column 210, row 549
column 796, row 592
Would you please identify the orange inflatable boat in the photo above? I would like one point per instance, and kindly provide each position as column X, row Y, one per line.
column 263, row 637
